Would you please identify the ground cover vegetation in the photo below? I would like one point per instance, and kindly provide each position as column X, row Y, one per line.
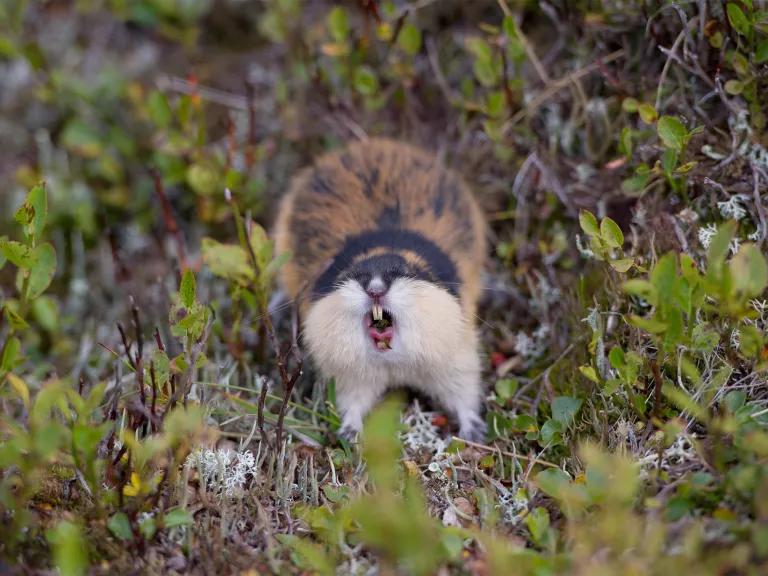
column 157, row 415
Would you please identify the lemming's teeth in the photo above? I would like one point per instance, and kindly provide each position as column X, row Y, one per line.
column 378, row 313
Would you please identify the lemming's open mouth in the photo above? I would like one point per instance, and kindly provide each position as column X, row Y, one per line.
column 380, row 326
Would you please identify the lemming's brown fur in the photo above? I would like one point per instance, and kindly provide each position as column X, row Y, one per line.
column 383, row 229
column 380, row 184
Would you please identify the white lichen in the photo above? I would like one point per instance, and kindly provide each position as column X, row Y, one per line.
column 421, row 433
column 680, row 452
column 583, row 250
column 733, row 208
column 735, row 338
column 513, row 504
column 533, row 346
column 224, row 472
column 706, row 234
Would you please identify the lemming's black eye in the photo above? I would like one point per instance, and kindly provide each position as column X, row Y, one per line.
column 361, row 277
column 390, row 274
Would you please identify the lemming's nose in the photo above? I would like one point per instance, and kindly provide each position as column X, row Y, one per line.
column 376, row 288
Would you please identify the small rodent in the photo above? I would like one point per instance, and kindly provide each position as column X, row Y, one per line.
column 388, row 248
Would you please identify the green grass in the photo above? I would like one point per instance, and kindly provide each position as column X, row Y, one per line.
column 620, row 153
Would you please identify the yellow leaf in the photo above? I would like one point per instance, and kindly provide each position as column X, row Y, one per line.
column 334, row 49
column 412, row 468
column 20, row 387
column 135, row 486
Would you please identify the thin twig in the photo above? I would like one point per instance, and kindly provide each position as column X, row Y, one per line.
column 554, row 87
column 434, row 63
column 757, row 173
column 170, row 221
column 497, row 450
column 250, row 149
column 667, row 65
column 529, row 51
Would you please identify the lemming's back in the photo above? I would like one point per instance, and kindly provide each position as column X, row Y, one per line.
column 381, row 195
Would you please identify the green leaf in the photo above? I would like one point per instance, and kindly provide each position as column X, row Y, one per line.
column 664, row 277
column 761, row 53
column 611, row 233
column 82, row 139
column 203, row 179
column 685, row 168
column 42, row 271
column 625, row 142
column 738, row 19
column 20, row 387
column 480, row 49
column 630, row 105
column 677, row 507
column 69, row 548
column 177, row 517
column 524, row 423
column 453, row 543
column 365, row 81
column 684, row 401
column 336, row 494
column 617, row 358
column 32, row 214
column 309, row 556
column 588, row 223
column 510, row 27
column 485, row 72
column 642, row 289
column 752, row 341
column 148, row 528
column 227, row 260
column 689, row 269
column 740, row 63
column 735, row 399
column 158, row 109
column 16, row 321
column 506, row 388
column 564, row 409
column 551, row 433
column 719, row 246
column 648, row 113
column 274, row 266
column 672, row 133
column 552, row 482
column 590, row 373
column 187, row 290
column 409, row 39
column 538, row 524
column 750, row 271
column 734, row 87
column 704, row 338
column 17, row 253
column 622, row 265
column 120, row 526
column 338, row 24
column 10, row 355
column 650, row 325
column 85, row 439
column 669, row 160
column 46, row 312
column 380, row 444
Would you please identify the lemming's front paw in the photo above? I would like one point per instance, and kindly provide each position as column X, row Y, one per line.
column 474, row 430
column 348, row 432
